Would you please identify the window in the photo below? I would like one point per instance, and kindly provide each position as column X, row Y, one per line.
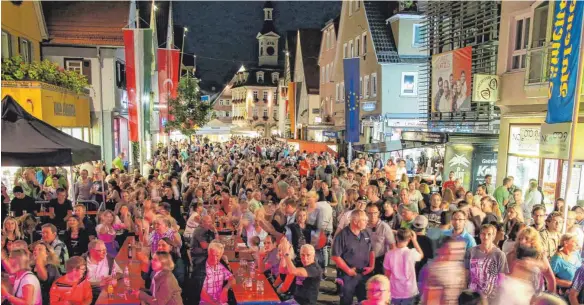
column 350, row 7
column 255, row 94
column 260, row 77
column 337, row 86
column 266, row 92
column 520, row 39
column 327, row 40
column 275, row 97
column 357, row 5
column 120, row 75
column 345, row 50
column 74, row 65
column 357, row 46
column 540, row 18
column 275, row 113
column 26, row 50
column 275, row 77
column 265, row 112
column 409, row 84
column 360, row 87
column 366, row 86
column 255, row 111
column 331, row 38
column 417, row 40
column 374, row 84
column 351, row 51
column 364, row 43
column 343, row 91
column 322, row 74
column 6, row 45
column 227, row 113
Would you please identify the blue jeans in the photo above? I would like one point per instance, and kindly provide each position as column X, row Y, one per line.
column 408, row 301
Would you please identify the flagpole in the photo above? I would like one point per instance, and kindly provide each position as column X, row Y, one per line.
column 573, row 128
column 182, row 50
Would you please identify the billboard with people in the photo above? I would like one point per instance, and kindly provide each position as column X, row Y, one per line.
column 451, row 75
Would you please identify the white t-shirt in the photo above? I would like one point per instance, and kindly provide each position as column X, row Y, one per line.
column 28, row 278
column 401, row 263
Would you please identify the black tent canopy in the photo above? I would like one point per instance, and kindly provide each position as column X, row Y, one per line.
column 28, row 141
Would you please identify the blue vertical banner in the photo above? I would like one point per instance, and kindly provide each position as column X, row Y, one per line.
column 351, row 73
column 564, row 56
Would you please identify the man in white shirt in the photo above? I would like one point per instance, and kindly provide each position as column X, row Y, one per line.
column 101, row 269
column 532, row 196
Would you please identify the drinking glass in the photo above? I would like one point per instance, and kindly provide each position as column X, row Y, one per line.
column 260, row 287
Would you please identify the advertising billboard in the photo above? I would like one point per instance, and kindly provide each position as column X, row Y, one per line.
column 451, row 78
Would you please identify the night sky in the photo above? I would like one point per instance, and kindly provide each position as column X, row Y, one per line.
column 227, row 30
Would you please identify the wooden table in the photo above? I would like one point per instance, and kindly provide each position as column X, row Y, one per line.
column 136, row 282
column 250, row 297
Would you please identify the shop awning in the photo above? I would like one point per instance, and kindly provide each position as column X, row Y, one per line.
column 28, row 141
column 390, row 146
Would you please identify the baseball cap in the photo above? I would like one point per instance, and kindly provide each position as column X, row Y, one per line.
column 17, row 189
column 420, row 223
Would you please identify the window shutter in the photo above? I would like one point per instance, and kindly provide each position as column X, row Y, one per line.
column 87, row 70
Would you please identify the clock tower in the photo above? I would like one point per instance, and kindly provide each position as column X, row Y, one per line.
column 268, row 39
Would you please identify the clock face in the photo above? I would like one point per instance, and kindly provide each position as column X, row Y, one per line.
column 270, row 50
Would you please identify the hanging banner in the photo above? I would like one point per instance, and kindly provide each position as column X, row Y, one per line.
column 291, row 101
column 451, row 73
column 565, row 53
column 147, row 83
column 485, row 88
column 131, row 83
column 351, row 77
column 458, row 158
column 168, row 63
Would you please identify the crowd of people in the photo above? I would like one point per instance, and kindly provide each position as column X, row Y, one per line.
column 380, row 234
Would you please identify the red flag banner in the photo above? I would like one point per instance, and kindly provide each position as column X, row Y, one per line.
column 131, row 84
column 168, row 64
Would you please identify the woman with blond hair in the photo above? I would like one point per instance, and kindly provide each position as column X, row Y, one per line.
column 566, row 260
column 26, row 289
column 76, row 237
column 512, row 224
column 448, row 200
column 404, row 181
column 529, row 239
column 106, row 231
column 378, row 292
column 163, row 228
column 10, row 231
column 45, row 265
column 164, row 288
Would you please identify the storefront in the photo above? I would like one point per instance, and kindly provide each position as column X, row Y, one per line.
column 526, row 158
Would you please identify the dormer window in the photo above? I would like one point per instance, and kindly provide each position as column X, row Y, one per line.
column 275, row 77
column 260, row 76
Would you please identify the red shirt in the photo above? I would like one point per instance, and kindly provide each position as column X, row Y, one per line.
column 449, row 185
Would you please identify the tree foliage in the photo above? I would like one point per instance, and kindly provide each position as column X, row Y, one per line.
column 187, row 113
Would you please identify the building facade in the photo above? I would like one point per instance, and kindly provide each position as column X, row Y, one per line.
column 523, row 68
column 328, row 89
column 390, row 60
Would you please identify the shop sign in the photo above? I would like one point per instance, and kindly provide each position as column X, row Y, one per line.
column 484, row 163
column 485, row 88
column 555, row 141
column 458, row 159
column 405, row 123
column 64, row 109
column 330, row 134
column 367, row 123
column 524, row 140
column 369, row 106
column 422, row 136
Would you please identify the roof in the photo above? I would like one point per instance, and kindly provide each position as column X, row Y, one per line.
column 93, row 23
column 335, row 23
column 268, row 4
column 268, row 27
column 377, row 13
column 252, row 79
column 310, row 46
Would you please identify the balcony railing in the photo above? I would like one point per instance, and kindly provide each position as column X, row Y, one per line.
column 538, row 63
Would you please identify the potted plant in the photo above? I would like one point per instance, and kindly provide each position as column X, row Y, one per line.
column 255, row 117
column 265, row 117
